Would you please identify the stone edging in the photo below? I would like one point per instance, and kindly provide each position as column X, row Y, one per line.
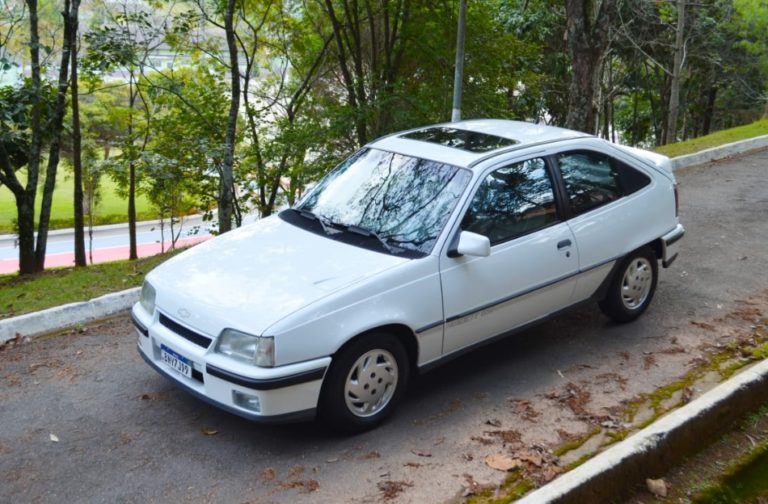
column 613, row 474
column 69, row 315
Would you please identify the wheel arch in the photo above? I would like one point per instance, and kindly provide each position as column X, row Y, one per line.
column 656, row 246
column 402, row 332
column 602, row 290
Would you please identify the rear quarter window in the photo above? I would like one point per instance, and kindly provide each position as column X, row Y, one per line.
column 593, row 179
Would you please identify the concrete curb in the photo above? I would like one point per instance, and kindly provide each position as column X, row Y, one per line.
column 616, row 472
column 721, row 152
column 69, row 315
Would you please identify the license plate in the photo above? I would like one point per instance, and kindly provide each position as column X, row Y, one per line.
column 177, row 362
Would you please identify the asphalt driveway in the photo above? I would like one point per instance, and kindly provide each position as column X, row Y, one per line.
column 84, row 419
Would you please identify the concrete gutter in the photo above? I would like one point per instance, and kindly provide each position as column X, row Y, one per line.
column 721, row 152
column 68, row 315
column 614, row 474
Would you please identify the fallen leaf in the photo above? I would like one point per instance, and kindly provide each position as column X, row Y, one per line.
column 493, row 422
column 482, row 440
column 549, row 474
column 501, row 462
column 506, row 436
column 306, row 486
column 268, row 474
column 421, row 453
column 524, row 408
column 371, row 455
column 648, row 361
column 687, row 395
column 54, row 438
column 532, row 457
column 209, row 431
column 474, row 487
column 657, row 487
column 391, row 489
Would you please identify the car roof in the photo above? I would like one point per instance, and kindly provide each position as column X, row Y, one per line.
column 464, row 143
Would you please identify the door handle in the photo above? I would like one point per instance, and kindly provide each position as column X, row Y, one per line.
column 563, row 244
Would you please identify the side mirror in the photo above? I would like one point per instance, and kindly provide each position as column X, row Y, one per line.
column 471, row 244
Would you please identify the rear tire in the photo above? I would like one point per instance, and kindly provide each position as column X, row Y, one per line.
column 364, row 384
column 632, row 287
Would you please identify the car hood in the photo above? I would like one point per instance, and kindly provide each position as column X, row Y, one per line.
column 254, row 276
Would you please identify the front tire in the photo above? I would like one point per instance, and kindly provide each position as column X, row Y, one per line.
column 364, row 384
column 632, row 288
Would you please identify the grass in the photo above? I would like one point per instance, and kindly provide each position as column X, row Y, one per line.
column 110, row 210
column 716, row 139
column 19, row 295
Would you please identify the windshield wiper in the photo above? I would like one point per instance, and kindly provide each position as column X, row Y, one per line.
column 352, row 228
column 327, row 226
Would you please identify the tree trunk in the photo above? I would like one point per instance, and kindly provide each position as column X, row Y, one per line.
column 55, row 128
column 709, row 110
column 349, row 82
column 226, row 180
column 132, row 248
column 677, row 70
column 587, row 30
column 25, row 199
column 77, row 159
column 25, row 208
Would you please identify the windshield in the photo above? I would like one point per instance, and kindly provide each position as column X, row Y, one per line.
column 401, row 201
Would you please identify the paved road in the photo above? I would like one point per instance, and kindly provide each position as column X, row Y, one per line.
column 125, row 434
column 110, row 242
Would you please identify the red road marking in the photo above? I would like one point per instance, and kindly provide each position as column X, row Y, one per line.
column 102, row 255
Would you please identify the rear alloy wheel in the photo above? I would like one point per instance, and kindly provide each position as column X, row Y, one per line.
column 633, row 286
column 365, row 382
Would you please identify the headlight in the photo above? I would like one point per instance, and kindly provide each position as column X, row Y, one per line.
column 257, row 350
column 147, row 297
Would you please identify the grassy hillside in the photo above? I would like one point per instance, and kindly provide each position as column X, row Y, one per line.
column 715, row 139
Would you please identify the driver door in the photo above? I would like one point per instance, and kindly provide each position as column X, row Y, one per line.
column 531, row 271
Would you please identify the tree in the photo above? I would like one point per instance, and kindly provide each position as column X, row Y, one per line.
column 77, row 161
column 226, row 184
column 29, row 112
column 186, row 151
column 126, row 43
column 588, row 30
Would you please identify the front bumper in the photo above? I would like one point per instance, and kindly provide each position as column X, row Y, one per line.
column 280, row 394
column 670, row 245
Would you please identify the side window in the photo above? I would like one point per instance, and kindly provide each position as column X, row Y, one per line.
column 632, row 180
column 590, row 180
column 512, row 201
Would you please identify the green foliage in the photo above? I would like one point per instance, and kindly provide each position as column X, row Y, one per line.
column 321, row 78
column 15, row 116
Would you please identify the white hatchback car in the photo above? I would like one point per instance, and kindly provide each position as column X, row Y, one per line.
column 422, row 245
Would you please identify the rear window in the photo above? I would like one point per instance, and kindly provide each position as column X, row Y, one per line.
column 471, row 141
